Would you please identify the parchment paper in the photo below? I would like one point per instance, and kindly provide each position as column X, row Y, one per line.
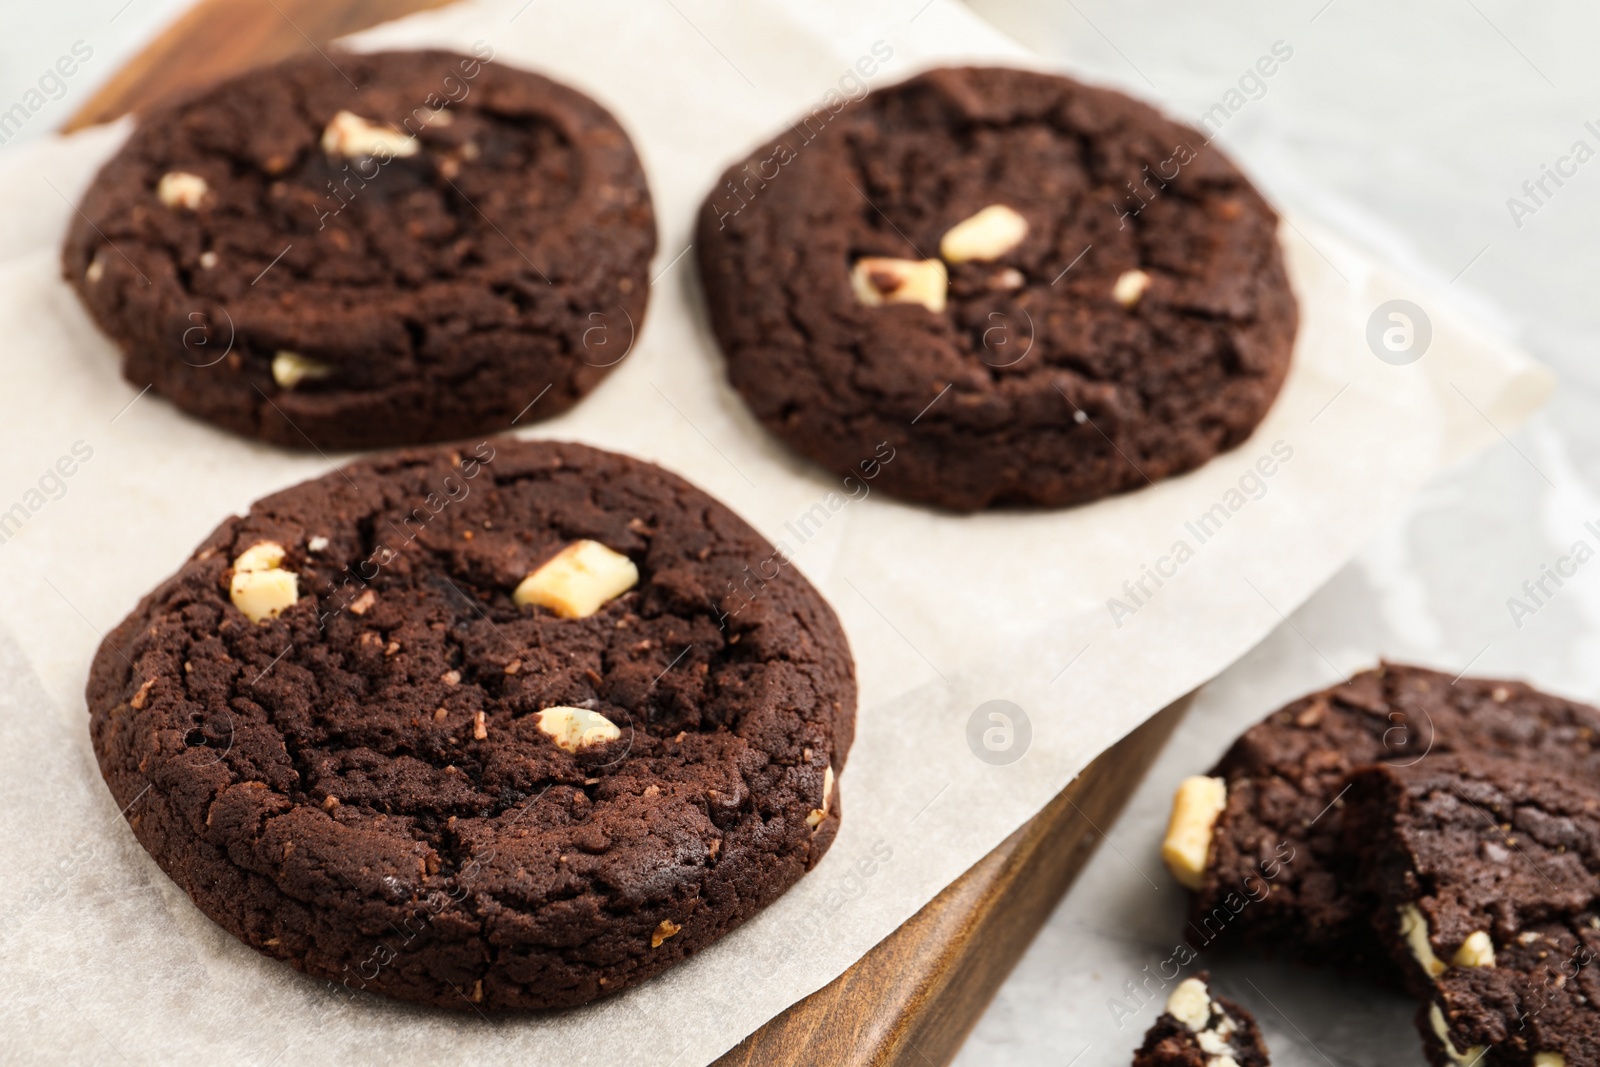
column 102, row 954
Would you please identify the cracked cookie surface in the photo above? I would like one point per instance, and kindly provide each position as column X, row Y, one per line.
column 418, row 259
column 1142, row 322
column 362, row 783
column 1277, row 872
column 1486, row 876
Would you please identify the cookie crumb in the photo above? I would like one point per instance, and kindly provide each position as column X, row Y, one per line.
column 667, row 929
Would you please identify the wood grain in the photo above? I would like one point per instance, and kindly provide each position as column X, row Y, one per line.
column 913, row 999
column 217, row 38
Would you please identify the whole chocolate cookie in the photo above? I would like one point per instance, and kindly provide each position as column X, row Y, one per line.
column 1036, row 291
column 1200, row 1029
column 370, row 250
column 1486, row 876
column 1260, row 840
column 506, row 726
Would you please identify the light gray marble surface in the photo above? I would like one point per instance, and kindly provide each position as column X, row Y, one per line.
column 1407, row 127
column 93, row 37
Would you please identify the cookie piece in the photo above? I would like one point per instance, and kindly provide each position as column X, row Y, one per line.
column 1274, row 871
column 1036, row 292
column 418, row 259
column 505, row 726
column 1486, row 877
column 1200, row 1029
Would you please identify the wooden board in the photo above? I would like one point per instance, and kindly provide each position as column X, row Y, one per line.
column 216, row 38
column 913, row 999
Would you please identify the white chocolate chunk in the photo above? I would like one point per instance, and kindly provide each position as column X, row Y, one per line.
column 260, row 587
column 579, row 581
column 576, row 728
column 96, row 271
column 179, row 188
column 1130, row 287
column 353, row 137
column 989, row 234
column 1442, row 1029
column 879, row 280
column 1476, row 951
column 319, row 543
column 1549, row 1059
column 814, row 819
column 263, row 594
column 1190, row 1004
column 1195, row 808
column 289, row 369
column 261, row 556
column 208, row 259
column 1415, row 930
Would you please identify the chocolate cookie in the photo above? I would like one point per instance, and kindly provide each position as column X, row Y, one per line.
column 1486, row 877
column 1036, row 291
column 506, row 726
column 1199, row 1029
column 1261, row 843
column 370, row 250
